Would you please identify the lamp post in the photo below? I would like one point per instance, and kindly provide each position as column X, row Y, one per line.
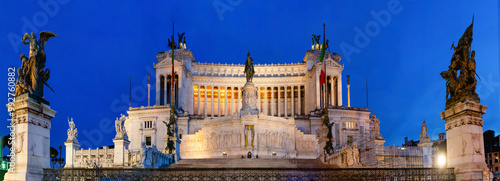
column 60, row 160
column 53, row 155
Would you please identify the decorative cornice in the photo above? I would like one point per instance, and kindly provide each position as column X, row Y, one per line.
column 464, row 113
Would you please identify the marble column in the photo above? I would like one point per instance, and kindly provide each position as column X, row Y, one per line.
column 212, row 88
column 332, row 93
column 158, row 91
column 239, row 97
column 293, row 100
column 300, row 100
column 258, row 99
column 348, row 95
column 273, row 108
column 165, row 92
column 205, row 105
column 339, row 87
column 318, row 101
column 232, row 101
column 199, row 100
column 279, row 101
column 266, row 107
column 225, row 100
column 286, row 101
column 218, row 101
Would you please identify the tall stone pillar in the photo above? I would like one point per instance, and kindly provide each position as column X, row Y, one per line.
column 300, row 101
column 218, row 101
column 273, row 106
column 232, row 101
column 199, row 100
column 225, row 100
column 293, row 101
column 279, row 101
column 31, row 125
column 348, row 95
column 464, row 130
column 286, row 101
column 212, row 88
column 121, row 146
column 205, row 105
column 71, row 147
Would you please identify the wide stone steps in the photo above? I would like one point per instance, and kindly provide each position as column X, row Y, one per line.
column 250, row 163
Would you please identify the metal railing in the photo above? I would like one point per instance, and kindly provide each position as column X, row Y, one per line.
column 315, row 174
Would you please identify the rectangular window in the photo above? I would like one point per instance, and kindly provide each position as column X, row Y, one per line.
column 496, row 169
column 490, row 163
column 496, row 154
column 148, row 140
column 350, row 125
column 148, row 124
column 496, row 160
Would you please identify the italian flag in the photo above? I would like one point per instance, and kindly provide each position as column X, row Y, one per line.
column 322, row 78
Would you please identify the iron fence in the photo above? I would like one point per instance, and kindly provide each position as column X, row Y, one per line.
column 205, row 174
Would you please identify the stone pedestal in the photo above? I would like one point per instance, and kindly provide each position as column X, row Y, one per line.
column 379, row 148
column 427, row 152
column 249, row 103
column 177, row 153
column 464, row 130
column 119, row 158
column 32, row 137
column 71, row 147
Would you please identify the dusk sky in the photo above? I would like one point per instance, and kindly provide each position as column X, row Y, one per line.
column 101, row 44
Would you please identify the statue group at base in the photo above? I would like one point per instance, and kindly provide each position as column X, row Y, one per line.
column 461, row 87
column 32, row 75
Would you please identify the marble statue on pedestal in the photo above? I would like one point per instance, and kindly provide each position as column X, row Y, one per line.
column 249, row 91
column 249, row 136
column 120, row 128
column 423, row 134
column 376, row 127
column 72, row 132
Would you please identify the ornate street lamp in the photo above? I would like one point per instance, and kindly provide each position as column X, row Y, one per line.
column 60, row 160
column 53, row 155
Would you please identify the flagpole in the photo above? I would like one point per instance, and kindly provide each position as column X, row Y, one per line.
column 324, row 66
column 172, row 106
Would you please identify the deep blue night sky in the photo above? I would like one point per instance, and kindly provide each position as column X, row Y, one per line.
column 101, row 44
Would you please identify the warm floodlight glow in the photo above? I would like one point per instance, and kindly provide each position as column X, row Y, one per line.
column 441, row 162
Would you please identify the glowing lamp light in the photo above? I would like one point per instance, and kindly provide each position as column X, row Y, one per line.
column 441, row 161
column 312, row 47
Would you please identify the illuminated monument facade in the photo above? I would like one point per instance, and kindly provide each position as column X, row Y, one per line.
column 212, row 121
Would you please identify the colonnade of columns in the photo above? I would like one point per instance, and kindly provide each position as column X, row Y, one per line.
column 165, row 90
column 334, row 92
column 220, row 100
